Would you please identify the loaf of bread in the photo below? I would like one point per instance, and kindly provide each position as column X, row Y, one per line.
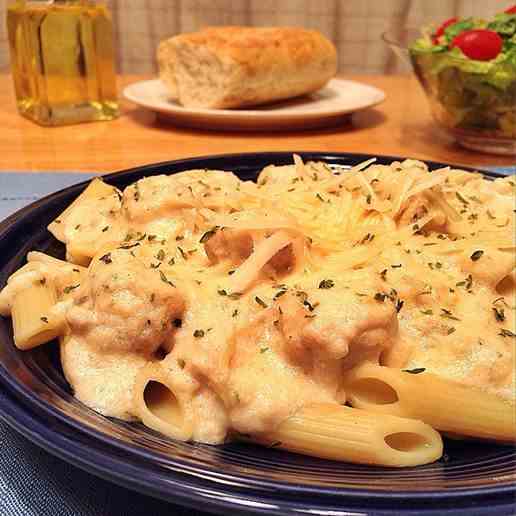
column 229, row 67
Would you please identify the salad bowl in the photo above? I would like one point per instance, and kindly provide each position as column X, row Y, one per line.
column 467, row 68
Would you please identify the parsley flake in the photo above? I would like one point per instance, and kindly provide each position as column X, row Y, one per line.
column 165, row 279
column 260, row 302
column 417, row 370
column 106, row 258
column 476, row 255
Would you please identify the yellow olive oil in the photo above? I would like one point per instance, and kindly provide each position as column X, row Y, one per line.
column 62, row 61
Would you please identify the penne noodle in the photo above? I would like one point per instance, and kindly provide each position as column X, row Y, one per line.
column 443, row 404
column 342, row 433
column 157, row 405
column 34, row 321
column 97, row 188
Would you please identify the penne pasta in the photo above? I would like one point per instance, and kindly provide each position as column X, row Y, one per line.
column 157, row 405
column 34, row 321
column 445, row 405
column 205, row 306
column 96, row 189
column 342, row 433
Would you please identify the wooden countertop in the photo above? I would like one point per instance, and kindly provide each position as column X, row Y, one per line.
column 401, row 125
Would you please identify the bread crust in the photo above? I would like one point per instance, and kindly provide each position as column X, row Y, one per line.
column 224, row 67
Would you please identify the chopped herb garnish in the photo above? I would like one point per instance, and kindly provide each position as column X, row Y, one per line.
column 44, row 319
column 172, row 261
column 165, row 279
column 69, row 288
column 179, row 238
column 235, row 313
column 161, row 255
column 42, row 281
column 279, row 294
column 183, row 254
column 150, row 238
column 461, row 199
column 155, row 265
column 106, row 258
column 209, row 234
column 181, row 363
column 380, row 296
column 260, row 302
column 399, row 305
column 506, row 333
column 263, row 350
column 448, row 315
column 326, row 284
column 129, row 246
column 136, row 192
column 368, row 199
column 417, row 370
column 198, row 334
column 450, row 330
column 476, row 255
column 105, row 228
column 427, row 312
column 499, row 314
column 235, row 295
column 396, row 265
column 77, row 227
column 318, row 195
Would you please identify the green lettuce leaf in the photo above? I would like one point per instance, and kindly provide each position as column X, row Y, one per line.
column 504, row 24
column 456, row 28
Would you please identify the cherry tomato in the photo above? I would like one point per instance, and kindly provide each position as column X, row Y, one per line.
column 511, row 10
column 440, row 31
column 480, row 44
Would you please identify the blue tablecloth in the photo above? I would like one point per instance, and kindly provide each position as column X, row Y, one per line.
column 33, row 482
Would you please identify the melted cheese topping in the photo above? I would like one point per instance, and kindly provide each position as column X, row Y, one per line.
column 254, row 298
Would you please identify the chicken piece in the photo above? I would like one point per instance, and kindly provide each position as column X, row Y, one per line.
column 336, row 323
column 234, row 245
column 123, row 306
column 273, row 175
column 157, row 196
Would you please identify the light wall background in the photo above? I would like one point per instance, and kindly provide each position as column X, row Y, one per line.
column 355, row 26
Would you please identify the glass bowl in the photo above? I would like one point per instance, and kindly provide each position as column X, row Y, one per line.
column 475, row 112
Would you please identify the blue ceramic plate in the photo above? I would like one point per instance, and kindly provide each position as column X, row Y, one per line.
column 473, row 478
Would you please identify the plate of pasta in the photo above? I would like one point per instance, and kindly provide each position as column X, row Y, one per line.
column 272, row 333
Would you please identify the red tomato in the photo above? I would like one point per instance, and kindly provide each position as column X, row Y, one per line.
column 480, row 44
column 440, row 31
column 511, row 10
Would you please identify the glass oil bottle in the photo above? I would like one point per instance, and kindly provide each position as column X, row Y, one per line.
column 62, row 60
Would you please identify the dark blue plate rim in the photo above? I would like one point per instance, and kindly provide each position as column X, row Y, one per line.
column 26, row 396
column 102, row 461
